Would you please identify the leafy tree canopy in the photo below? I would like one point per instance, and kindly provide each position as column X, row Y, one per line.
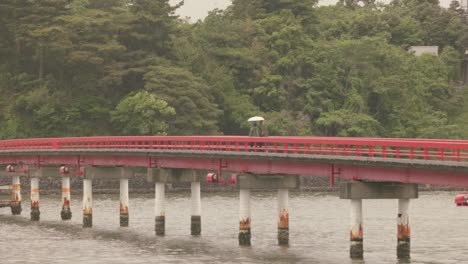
column 128, row 67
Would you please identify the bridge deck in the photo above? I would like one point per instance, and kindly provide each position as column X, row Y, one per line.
column 454, row 166
column 441, row 162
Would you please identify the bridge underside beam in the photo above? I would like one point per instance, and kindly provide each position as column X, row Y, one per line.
column 258, row 181
column 91, row 172
column 175, row 175
column 443, row 176
column 378, row 190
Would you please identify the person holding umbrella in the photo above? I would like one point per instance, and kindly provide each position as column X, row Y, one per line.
column 255, row 129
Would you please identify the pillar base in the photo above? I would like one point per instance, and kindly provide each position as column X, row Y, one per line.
column 66, row 214
column 35, row 214
column 283, row 236
column 196, row 225
column 403, row 249
column 244, row 237
column 124, row 220
column 160, row 225
column 87, row 220
column 16, row 208
column 356, row 250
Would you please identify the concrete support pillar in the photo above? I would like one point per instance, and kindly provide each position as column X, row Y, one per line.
column 15, row 196
column 35, row 213
column 160, row 221
column 123, row 202
column 66, row 212
column 87, row 203
column 244, row 217
column 404, row 234
column 283, row 217
column 196, row 209
column 356, row 232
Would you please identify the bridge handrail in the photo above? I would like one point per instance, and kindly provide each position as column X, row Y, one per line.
column 399, row 148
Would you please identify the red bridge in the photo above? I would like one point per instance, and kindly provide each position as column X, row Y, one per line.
column 379, row 168
column 423, row 161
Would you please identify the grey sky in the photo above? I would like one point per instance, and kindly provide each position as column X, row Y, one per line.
column 198, row 9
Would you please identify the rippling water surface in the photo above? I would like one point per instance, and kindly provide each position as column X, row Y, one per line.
column 319, row 231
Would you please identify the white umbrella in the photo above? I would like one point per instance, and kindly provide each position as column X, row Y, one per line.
column 256, row 118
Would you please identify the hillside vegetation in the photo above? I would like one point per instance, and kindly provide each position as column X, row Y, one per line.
column 132, row 67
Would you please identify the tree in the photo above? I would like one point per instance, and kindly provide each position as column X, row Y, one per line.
column 38, row 32
column 68, row 65
column 94, row 65
column 142, row 113
column 347, row 124
column 189, row 95
column 151, row 26
column 258, row 9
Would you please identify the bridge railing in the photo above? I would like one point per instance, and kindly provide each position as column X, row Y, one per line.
column 425, row 149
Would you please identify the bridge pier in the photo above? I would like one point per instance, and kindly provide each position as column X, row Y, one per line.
column 160, row 219
column 356, row 191
column 244, row 217
column 161, row 176
column 356, row 250
column 124, row 202
column 35, row 213
column 283, row 216
column 105, row 172
column 403, row 233
column 195, row 220
column 66, row 213
column 15, row 196
column 87, row 203
column 282, row 183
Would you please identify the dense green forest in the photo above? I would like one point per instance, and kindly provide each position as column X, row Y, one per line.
column 132, row 67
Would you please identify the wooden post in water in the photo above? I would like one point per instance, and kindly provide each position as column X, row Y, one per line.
column 16, row 196
column 404, row 233
column 35, row 213
column 196, row 209
column 244, row 217
column 356, row 233
column 160, row 221
column 283, row 216
column 66, row 212
column 124, row 202
column 87, row 203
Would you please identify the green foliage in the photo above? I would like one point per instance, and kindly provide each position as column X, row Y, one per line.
column 286, row 123
column 347, row 124
column 100, row 67
column 150, row 27
column 256, row 9
column 189, row 95
column 142, row 114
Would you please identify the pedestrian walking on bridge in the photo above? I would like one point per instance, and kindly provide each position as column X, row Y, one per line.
column 255, row 129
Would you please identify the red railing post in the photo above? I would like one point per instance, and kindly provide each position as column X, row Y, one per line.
column 371, row 151
column 441, row 154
